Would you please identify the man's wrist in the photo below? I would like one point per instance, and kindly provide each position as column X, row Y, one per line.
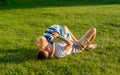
column 59, row 36
column 65, row 51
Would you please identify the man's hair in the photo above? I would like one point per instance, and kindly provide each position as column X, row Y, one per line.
column 42, row 55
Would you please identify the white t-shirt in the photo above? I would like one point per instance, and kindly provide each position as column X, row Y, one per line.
column 60, row 51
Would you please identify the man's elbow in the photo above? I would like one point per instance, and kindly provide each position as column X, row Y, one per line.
column 70, row 44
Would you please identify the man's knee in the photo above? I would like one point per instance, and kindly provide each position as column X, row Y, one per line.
column 93, row 29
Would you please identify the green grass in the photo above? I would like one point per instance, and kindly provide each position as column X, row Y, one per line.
column 22, row 21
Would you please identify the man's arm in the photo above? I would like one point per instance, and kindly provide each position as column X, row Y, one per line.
column 68, row 42
column 53, row 51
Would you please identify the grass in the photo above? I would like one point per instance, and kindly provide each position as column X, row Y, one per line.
column 22, row 21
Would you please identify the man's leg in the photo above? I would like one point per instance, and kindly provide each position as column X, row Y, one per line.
column 86, row 39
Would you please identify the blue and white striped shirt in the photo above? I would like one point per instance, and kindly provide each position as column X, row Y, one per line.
column 54, row 28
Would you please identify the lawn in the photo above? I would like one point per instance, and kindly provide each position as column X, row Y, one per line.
column 22, row 21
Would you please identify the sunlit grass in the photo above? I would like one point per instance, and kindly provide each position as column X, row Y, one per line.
column 19, row 28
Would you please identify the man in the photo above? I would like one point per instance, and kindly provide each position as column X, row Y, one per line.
column 69, row 44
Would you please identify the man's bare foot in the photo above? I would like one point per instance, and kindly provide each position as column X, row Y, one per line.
column 92, row 46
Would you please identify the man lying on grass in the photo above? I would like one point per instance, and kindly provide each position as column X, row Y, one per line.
column 68, row 45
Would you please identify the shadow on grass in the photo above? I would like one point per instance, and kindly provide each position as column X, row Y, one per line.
column 17, row 56
column 15, row 4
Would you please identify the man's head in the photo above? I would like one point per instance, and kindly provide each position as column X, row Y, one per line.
column 43, row 54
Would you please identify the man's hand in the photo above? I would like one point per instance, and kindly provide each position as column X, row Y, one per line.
column 52, row 56
column 55, row 34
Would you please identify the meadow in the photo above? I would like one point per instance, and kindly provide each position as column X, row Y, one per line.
column 23, row 21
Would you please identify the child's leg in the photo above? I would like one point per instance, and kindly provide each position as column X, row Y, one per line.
column 66, row 30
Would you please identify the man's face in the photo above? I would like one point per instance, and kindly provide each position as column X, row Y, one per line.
column 47, row 52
